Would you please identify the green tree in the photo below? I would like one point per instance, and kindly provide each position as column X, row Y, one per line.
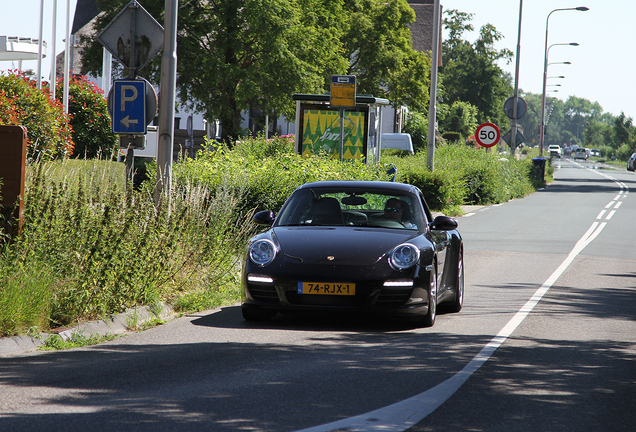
column 530, row 122
column 598, row 134
column 462, row 118
column 471, row 72
column 377, row 42
column 91, row 123
column 238, row 54
column 623, row 128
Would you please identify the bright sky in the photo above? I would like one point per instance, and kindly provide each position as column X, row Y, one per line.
column 602, row 66
column 22, row 18
column 601, row 70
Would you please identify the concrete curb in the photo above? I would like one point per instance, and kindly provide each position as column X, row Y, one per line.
column 117, row 324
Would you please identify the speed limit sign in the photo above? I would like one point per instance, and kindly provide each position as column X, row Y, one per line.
column 487, row 135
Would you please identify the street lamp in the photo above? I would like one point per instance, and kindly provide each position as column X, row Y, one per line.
column 545, row 70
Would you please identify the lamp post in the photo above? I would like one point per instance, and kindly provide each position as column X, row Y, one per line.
column 545, row 70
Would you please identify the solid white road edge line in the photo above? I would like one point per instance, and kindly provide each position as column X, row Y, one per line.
column 407, row 413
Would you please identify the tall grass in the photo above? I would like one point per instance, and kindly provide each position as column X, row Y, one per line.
column 93, row 246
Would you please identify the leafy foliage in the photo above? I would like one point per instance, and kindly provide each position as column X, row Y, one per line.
column 377, row 41
column 240, row 54
column 465, row 175
column 91, row 123
column 461, row 117
column 263, row 173
column 416, row 125
column 48, row 127
column 470, row 72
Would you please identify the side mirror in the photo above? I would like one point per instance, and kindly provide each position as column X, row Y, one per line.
column 265, row 217
column 444, row 223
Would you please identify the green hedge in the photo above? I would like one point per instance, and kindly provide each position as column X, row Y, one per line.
column 262, row 173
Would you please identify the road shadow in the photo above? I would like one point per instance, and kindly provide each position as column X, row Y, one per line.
column 230, row 317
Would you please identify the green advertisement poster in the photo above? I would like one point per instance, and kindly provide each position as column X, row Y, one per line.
column 321, row 133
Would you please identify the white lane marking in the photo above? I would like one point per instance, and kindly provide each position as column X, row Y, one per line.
column 407, row 413
column 618, row 204
column 609, row 216
column 600, row 215
column 610, row 204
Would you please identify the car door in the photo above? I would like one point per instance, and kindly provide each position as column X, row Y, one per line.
column 441, row 241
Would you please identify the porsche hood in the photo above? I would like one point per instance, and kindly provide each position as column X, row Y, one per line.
column 337, row 246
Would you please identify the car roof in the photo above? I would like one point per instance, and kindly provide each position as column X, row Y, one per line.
column 402, row 187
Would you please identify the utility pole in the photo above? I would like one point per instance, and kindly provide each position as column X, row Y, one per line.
column 432, row 110
column 166, row 104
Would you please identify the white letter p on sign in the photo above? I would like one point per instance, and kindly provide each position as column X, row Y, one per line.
column 125, row 98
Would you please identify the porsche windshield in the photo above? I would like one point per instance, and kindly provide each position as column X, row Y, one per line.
column 352, row 207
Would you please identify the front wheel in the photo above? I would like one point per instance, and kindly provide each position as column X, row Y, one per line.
column 457, row 304
column 429, row 319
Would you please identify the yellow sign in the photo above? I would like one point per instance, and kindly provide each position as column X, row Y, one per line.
column 343, row 91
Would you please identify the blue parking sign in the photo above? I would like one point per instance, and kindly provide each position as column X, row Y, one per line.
column 129, row 107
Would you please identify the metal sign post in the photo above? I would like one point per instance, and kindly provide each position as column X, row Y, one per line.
column 133, row 37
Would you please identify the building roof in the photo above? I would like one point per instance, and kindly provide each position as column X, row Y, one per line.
column 85, row 12
column 422, row 28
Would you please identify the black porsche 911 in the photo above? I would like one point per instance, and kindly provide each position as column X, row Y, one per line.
column 360, row 246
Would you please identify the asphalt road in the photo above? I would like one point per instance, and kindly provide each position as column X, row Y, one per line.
column 567, row 364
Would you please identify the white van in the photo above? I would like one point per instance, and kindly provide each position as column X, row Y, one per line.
column 400, row 141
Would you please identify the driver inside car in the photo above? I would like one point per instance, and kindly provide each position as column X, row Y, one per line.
column 398, row 210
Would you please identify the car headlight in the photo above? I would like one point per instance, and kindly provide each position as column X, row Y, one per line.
column 262, row 252
column 404, row 256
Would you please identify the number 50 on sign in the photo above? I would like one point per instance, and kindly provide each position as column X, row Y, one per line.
column 487, row 135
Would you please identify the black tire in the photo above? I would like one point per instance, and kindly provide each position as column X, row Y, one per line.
column 457, row 304
column 428, row 320
column 258, row 315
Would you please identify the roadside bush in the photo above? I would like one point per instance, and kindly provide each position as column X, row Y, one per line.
column 465, row 175
column 91, row 123
column 263, row 173
column 416, row 125
column 48, row 127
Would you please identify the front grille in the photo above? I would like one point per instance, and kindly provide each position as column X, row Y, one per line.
column 325, row 300
column 264, row 293
column 393, row 297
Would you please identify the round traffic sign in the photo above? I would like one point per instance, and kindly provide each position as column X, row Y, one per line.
column 487, row 135
column 522, row 107
column 152, row 101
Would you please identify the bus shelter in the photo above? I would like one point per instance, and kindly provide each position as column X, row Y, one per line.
column 318, row 127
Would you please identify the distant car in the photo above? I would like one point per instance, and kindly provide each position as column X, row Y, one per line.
column 354, row 247
column 631, row 163
column 580, row 153
column 555, row 150
column 595, row 152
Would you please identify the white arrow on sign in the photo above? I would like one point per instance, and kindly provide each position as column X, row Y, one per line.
column 126, row 121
